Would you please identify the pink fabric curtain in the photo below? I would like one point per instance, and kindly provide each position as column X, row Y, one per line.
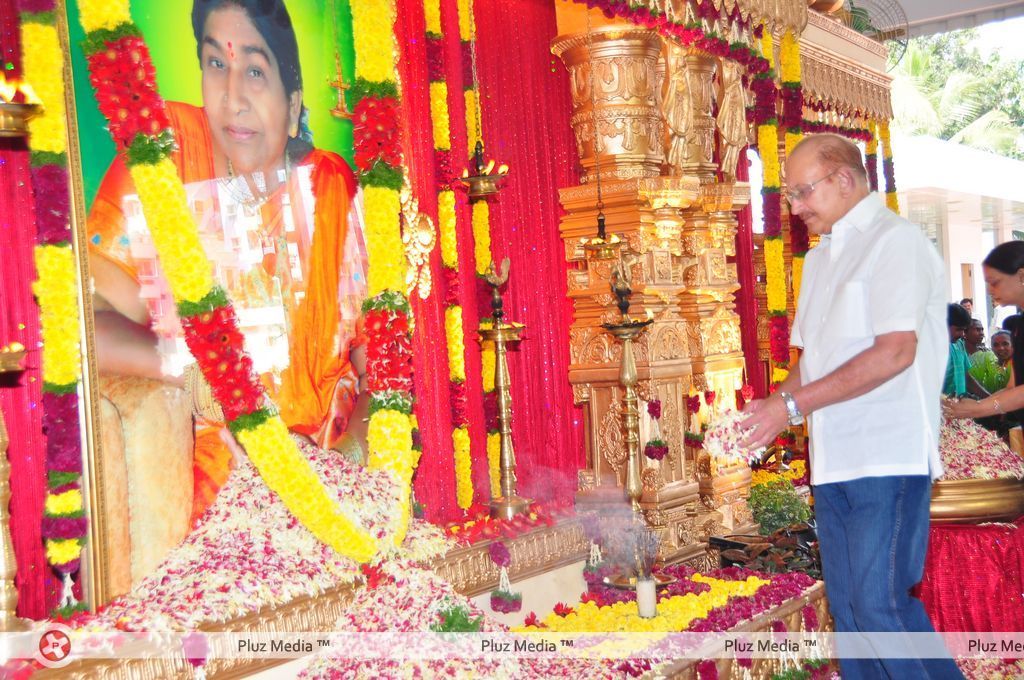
column 526, row 108
column 20, row 395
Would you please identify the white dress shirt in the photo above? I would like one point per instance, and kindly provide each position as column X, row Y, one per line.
column 876, row 273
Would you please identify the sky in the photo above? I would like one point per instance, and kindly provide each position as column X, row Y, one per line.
column 1003, row 37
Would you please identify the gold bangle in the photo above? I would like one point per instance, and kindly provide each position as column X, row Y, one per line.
column 995, row 405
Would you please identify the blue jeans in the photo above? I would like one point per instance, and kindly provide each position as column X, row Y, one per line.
column 873, row 535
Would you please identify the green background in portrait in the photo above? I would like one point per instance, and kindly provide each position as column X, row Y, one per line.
column 167, row 28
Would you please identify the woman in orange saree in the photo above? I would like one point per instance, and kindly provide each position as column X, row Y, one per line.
column 278, row 222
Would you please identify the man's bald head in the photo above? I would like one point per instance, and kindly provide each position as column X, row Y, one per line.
column 831, row 152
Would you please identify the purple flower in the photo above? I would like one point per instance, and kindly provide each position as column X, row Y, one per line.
column 500, row 554
column 53, row 202
column 654, row 408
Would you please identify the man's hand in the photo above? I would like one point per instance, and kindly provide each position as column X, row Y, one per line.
column 767, row 418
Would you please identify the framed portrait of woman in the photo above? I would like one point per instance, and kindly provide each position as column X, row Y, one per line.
column 263, row 143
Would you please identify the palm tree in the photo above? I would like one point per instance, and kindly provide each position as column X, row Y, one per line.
column 948, row 105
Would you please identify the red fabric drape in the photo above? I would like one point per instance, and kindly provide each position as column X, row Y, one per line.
column 974, row 577
column 526, row 108
column 525, row 97
column 434, row 483
column 20, row 395
column 746, row 303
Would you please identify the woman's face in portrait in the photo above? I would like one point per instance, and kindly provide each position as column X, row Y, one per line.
column 243, row 94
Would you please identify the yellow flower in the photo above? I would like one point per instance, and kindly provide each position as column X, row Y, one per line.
column 760, row 477
column 779, row 374
column 792, row 139
column 446, row 222
column 789, row 53
column 57, row 293
column 674, row 613
column 63, row 551
column 481, row 236
column 66, row 503
column 776, row 275
column 798, row 277
column 384, row 248
column 389, row 439
column 97, row 14
column 439, row 115
column 872, row 144
column 284, row 469
column 892, row 201
column 373, row 39
column 432, row 16
column 43, row 66
column 472, row 131
column 173, row 228
column 883, row 134
column 768, row 147
column 494, row 462
column 456, row 343
column 488, row 362
column 463, row 468
column 467, row 30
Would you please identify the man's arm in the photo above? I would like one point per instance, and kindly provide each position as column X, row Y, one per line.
column 890, row 355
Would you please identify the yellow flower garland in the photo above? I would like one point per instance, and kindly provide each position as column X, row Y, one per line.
column 789, row 53
column 481, row 236
column 798, row 276
column 768, row 148
column 768, row 45
column 63, row 551
column 67, row 503
column 891, row 199
column 166, row 209
column 99, row 14
column 446, row 220
column 494, row 462
column 472, row 131
column 775, row 274
column 432, row 16
column 489, row 362
column 439, row 116
column 57, row 293
column 386, row 270
column 44, row 70
column 276, row 456
column 463, row 468
column 373, row 39
column 456, row 344
column 467, row 30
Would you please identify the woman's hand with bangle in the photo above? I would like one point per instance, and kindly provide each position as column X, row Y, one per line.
column 966, row 408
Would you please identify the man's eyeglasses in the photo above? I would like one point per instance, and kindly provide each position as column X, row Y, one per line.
column 803, row 192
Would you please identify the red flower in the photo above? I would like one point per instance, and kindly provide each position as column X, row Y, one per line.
column 218, row 346
column 747, row 392
column 375, row 132
column 500, row 554
column 655, row 451
column 693, row 403
column 654, row 408
column 709, row 397
column 125, row 82
column 372, row 575
column 460, row 415
column 562, row 609
column 779, row 339
column 532, row 620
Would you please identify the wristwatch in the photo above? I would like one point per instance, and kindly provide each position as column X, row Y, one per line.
column 795, row 417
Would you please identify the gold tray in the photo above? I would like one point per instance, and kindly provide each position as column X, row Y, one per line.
column 973, row 501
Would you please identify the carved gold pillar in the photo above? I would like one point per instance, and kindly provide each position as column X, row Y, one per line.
column 687, row 104
column 709, row 239
column 612, row 78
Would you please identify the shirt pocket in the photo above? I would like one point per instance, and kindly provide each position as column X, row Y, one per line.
column 851, row 317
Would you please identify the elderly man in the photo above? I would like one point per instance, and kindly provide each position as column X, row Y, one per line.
column 871, row 321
